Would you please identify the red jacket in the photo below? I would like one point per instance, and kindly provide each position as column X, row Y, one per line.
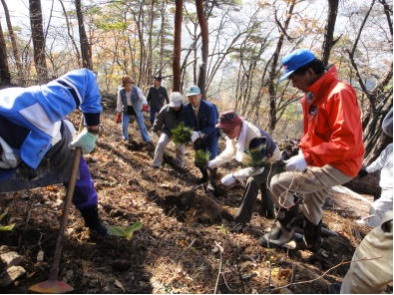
column 332, row 125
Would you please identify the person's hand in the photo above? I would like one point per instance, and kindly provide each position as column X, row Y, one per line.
column 145, row 108
column 228, row 180
column 362, row 173
column 118, row 118
column 213, row 163
column 296, row 163
column 195, row 135
column 85, row 140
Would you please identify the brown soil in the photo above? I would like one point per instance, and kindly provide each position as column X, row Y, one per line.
column 178, row 250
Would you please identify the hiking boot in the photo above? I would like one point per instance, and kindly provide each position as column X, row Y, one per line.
column 92, row 221
column 334, row 288
column 312, row 235
column 284, row 230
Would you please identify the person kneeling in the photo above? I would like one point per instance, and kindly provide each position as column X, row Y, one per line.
column 253, row 147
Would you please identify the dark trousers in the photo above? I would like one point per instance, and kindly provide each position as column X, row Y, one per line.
column 253, row 185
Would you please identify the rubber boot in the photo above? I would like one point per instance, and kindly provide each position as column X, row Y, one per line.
column 312, row 234
column 204, row 177
column 267, row 205
column 284, row 230
column 92, row 220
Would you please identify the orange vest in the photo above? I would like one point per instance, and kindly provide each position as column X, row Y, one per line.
column 332, row 125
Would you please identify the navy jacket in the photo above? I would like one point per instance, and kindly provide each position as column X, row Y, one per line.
column 207, row 119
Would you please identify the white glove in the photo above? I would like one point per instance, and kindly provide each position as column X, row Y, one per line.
column 214, row 163
column 296, row 163
column 228, row 180
column 85, row 140
column 195, row 135
column 243, row 174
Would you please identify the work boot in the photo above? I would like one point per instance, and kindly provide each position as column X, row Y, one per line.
column 312, row 234
column 204, row 177
column 284, row 230
column 92, row 221
column 267, row 205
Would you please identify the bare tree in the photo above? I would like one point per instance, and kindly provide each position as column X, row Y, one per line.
column 85, row 46
column 274, row 64
column 13, row 42
column 202, row 20
column 177, row 45
column 379, row 98
column 38, row 39
column 5, row 77
column 329, row 41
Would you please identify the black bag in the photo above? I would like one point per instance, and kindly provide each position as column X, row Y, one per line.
column 130, row 110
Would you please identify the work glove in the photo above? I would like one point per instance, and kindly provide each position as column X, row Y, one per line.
column 85, row 140
column 118, row 118
column 363, row 172
column 214, row 163
column 195, row 135
column 296, row 163
column 243, row 174
column 145, row 108
column 228, row 180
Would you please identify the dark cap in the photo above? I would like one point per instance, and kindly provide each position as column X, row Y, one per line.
column 229, row 120
column 158, row 78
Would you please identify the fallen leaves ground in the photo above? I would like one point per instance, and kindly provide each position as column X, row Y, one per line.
column 174, row 252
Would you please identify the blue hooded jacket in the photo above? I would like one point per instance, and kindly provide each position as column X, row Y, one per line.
column 36, row 112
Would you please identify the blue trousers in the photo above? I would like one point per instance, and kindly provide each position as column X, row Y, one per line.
column 141, row 125
column 85, row 194
column 153, row 112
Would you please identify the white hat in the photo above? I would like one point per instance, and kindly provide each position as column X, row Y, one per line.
column 176, row 100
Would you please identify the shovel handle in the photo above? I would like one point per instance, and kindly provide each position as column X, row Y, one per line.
column 67, row 203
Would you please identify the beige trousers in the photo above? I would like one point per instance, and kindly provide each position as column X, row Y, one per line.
column 313, row 185
column 159, row 151
column 372, row 276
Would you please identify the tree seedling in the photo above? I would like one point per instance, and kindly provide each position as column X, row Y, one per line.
column 126, row 232
column 201, row 158
column 181, row 134
column 8, row 227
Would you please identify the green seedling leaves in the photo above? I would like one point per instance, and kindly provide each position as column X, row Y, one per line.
column 8, row 227
column 181, row 134
column 126, row 232
column 201, row 158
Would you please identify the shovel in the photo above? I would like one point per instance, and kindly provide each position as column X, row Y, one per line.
column 53, row 285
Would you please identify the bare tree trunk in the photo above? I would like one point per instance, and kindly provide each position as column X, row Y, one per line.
column 204, row 44
column 38, row 40
column 176, row 64
column 273, row 71
column 13, row 42
column 69, row 32
column 85, row 47
column 329, row 41
column 5, row 77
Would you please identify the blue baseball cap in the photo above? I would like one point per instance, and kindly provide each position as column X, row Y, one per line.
column 193, row 90
column 295, row 60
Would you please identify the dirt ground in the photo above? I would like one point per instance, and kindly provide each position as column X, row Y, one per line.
column 180, row 249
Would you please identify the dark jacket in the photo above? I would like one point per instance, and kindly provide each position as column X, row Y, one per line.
column 168, row 119
column 207, row 119
column 156, row 97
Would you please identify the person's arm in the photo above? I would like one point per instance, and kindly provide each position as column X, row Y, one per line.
column 158, row 124
column 225, row 156
column 119, row 104
column 379, row 162
column 345, row 123
column 212, row 120
column 141, row 96
column 149, row 97
column 166, row 95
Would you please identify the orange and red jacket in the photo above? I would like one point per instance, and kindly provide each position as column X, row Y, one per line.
column 332, row 125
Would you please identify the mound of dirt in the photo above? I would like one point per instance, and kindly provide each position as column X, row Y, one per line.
column 188, row 243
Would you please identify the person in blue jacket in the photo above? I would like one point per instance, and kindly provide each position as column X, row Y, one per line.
column 36, row 140
column 202, row 116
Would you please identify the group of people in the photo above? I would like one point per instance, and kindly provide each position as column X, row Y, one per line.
column 36, row 143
